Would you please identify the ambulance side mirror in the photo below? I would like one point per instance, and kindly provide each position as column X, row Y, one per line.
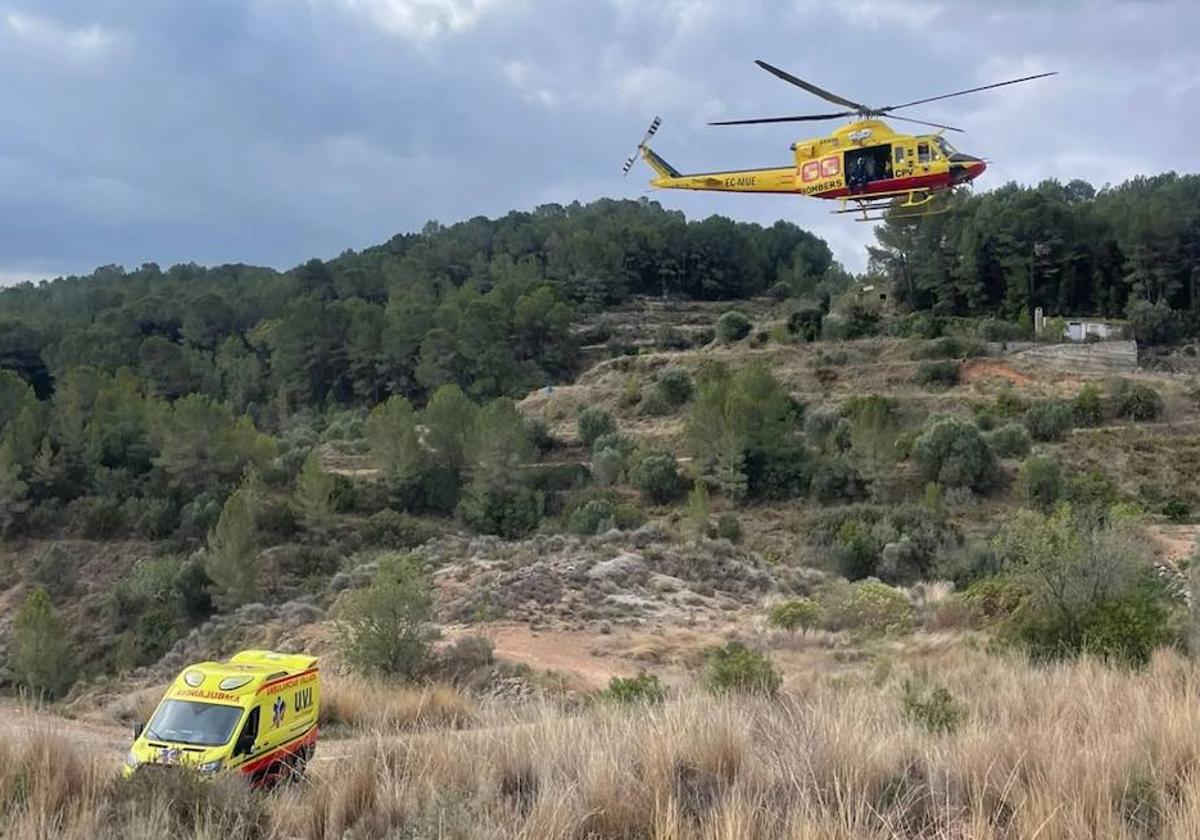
column 137, row 730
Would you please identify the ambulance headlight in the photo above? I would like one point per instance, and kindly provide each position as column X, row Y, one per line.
column 210, row 766
column 131, row 761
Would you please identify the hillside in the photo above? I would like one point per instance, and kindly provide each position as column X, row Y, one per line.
column 861, row 570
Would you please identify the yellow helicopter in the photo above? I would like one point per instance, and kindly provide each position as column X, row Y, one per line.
column 864, row 165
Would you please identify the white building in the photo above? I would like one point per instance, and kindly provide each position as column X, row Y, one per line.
column 1080, row 330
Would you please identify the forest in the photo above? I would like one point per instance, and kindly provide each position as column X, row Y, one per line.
column 1069, row 249
column 133, row 402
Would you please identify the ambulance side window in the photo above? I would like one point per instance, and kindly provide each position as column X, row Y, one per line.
column 245, row 741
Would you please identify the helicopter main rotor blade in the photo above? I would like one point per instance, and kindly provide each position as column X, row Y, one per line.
column 923, row 122
column 968, row 90
column 800, row 118
column 811, row 88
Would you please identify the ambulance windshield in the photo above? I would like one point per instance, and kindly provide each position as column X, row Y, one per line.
column 185, row 722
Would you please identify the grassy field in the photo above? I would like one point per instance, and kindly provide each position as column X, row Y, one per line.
column 1011, row 751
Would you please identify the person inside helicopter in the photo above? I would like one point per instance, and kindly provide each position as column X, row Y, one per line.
column 863, row 166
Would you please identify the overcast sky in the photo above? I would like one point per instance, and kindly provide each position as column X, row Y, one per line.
column 271, row 131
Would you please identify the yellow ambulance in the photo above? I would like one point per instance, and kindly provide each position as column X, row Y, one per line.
column 255, row 714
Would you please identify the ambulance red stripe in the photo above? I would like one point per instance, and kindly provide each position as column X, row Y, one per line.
column 283, row 751
column 267, row 685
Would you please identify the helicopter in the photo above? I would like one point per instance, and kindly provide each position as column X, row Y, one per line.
column 864, row 165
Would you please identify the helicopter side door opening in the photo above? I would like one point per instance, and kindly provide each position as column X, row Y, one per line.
column 868, row 164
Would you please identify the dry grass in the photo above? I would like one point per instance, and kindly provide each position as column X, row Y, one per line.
column 1076, row 751
column 365, row 704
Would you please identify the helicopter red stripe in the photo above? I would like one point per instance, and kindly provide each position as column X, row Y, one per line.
column 890, row 185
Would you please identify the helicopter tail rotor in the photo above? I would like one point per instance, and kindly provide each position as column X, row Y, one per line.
column 650, row 132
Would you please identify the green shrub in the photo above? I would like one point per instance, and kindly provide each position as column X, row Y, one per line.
column 779, row 292
column 1040, row 482
column 1090, row 587
column 395, row 530
column 867, row 607
column 539, row 434
column 656, row 475
column 954, row 454
column 1126, row 629
column 940, row 374
column 1048, row 420
column 735, row 668
column 733, row 326
column 553, row 479
column 1010, row 441
column 607, row 467
column 627, row 516
column 1138, row 401
column 614, row 440
column 806, row 323
column 594, row 422
column 53, row 569
column 948, row 347
column 1009, row 403
column 728, row 527
column 668, row 337
column 464, row 658
column 592, row 511
column 508, row 512
column 993, row 598
column 856, row 550
column 655, row 404
column 935, row 710
column 383, row 629
column 836, row 481
column 1087, row 408
column 853, row 320
column 675, row 387
column 797, row 614
column 631, row 392
column 642, row 690
column 874, row 426
column 996, row 330
column 1177, row 510
column 820, row 428
column 1154, row 323
column 921, row 324
column 594, row 517
column 1092, row 489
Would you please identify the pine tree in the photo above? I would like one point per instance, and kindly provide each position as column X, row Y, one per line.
column 13, row 490
column 699, row 510
column 232, row 556
column 312, row 500
column 395, row 446
column 41, row 657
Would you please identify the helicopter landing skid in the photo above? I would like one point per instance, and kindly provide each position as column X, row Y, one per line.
column 908, row 204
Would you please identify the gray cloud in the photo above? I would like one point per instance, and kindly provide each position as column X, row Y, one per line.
column 273, row 130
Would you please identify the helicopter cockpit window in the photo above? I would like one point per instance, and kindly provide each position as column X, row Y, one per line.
column 946, row 148
column 923, row 153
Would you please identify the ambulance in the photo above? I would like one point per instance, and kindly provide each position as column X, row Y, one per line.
column 255, row 714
